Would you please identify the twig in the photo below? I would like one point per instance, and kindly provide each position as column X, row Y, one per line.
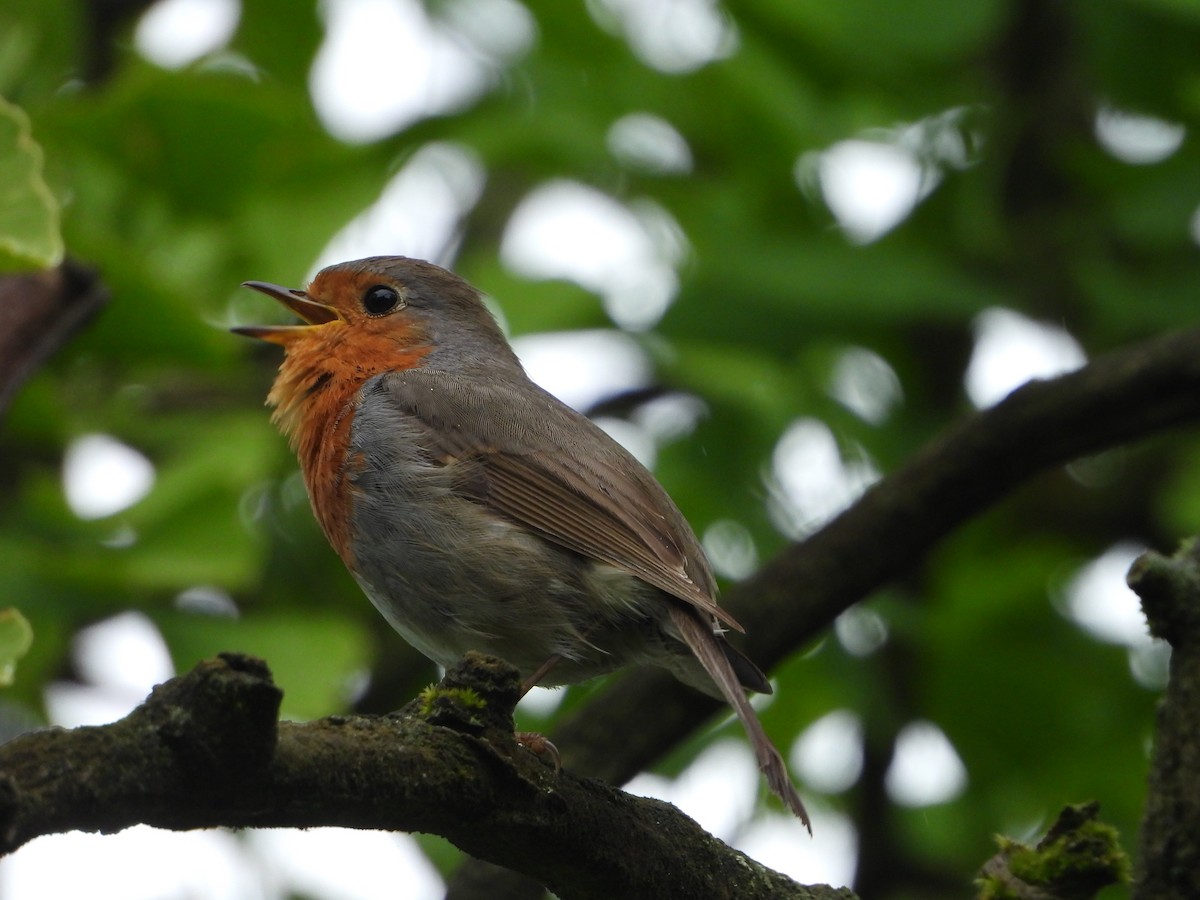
column 38, row 314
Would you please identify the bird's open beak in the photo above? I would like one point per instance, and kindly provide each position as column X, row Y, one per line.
column 312, row 312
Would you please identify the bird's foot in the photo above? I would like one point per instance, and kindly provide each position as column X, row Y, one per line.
column 540, row 746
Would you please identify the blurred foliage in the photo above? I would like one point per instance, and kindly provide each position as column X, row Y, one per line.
column 15, row 637
column 29, row 235
column 178, row 185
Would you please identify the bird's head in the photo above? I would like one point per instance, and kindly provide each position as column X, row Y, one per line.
column 371, row 316
column 392, row 311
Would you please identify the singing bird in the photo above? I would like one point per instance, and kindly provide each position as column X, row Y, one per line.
column 476, row 510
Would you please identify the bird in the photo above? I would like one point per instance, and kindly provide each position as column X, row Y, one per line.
column 476, row 510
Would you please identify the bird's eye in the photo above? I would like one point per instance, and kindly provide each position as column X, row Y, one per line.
column 380, row 299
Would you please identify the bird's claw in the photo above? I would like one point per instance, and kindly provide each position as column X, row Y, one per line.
column 540, row 746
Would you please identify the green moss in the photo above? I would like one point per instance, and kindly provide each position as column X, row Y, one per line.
column 434, row 698
column 993, row 887
column 1075, row 862
column 1090, row 854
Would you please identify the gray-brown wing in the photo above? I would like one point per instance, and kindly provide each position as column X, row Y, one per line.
column 600, row 503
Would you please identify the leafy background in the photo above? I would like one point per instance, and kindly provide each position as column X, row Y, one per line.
column 802, row 351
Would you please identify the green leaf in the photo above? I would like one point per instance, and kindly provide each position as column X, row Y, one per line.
column 29, row 233
column 16, row 637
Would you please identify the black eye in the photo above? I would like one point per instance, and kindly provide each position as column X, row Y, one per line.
column 380, row 299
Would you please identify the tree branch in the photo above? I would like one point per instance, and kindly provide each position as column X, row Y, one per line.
column 1078, row 857
column 38, row 314
column 1170, row 840
column 1118, row 398
column 206, row 750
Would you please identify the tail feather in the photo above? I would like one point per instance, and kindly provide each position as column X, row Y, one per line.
column 749, row 675
column 716, row 662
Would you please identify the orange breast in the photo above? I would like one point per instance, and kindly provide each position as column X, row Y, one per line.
column 315, row 396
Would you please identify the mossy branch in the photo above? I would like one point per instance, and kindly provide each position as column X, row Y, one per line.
column 1170, row 842
column 1079, row 856
column 206, row 749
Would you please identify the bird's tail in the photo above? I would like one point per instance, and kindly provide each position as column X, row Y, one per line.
column 708, row 651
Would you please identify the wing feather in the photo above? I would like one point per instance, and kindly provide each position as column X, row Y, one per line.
column 602, row 504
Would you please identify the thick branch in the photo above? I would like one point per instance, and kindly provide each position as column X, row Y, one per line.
column 1170, row 845
column 1118, row 398
column 206, row 750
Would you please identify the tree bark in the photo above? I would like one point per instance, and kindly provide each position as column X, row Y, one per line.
column 1170, row 839
column 206, row 750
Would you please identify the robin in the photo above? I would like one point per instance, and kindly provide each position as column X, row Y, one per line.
column 476, row 510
